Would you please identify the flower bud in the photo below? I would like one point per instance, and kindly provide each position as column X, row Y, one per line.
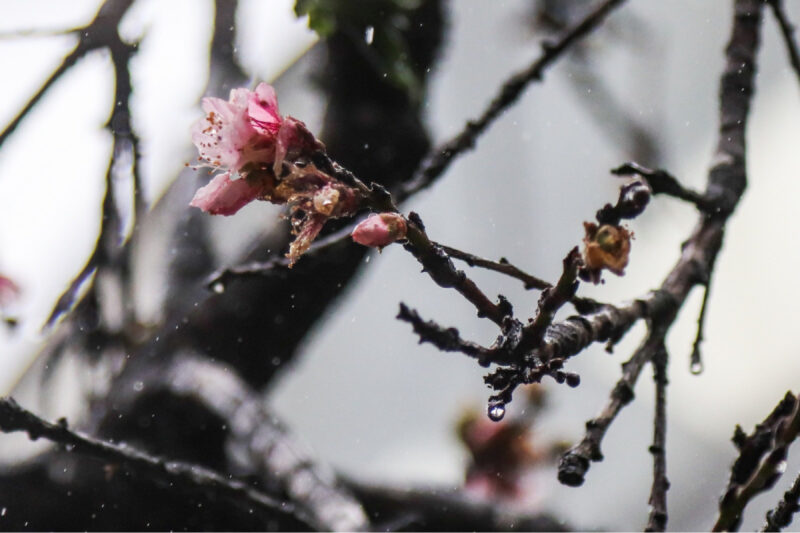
column 380, row 230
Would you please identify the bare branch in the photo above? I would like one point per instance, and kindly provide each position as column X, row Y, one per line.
column 781, row 516
column 658, row 493
column 761, row 461
column 440, row 158
column 448, row 339
column 183, row 476
column 574, row 463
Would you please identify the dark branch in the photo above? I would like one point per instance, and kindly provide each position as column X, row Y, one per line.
column 551, row 301
column 662, row 182
column 503, row 266
column 437, row 264
column 696, row 360
column 179, row 475
column 781, row 516
column 658, row 493
column 762, row 457
column 448, row 339
column 574, row 463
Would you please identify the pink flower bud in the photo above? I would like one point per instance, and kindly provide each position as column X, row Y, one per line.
column 380, row 230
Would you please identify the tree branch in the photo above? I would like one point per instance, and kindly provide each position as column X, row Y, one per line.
column 434, row 164
column 179, row 475
column 781, row 516
column 574, row 463
column 761, row 461
column 658, row 493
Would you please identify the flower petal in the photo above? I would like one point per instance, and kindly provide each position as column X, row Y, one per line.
column 223, row 196
column 262, row 108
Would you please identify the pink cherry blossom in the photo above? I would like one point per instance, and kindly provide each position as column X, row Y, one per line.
column 380, row 230
column 248, row 131
column 265, row 156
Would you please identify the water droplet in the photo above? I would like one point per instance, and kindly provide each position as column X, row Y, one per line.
column 696, row 368
column 218, row 287
column 138, row 386
column 366, row 259
column 780, row 467
column 3, row 511
column 276, row 361
column 369, row 34
column 497, row 412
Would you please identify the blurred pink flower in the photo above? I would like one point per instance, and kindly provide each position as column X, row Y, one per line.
column 380, row 230
column 9, row 291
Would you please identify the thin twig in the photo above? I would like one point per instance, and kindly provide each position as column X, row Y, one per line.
column 787, row 31
column 186, row 476
column 658, row 493
column 762, row 458
column 448, row 339
column 696, row 360
column 502, row 266
column 781, row 516
column 440, row 158
column 662, row 182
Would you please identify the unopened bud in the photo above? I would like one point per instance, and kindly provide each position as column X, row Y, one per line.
column 380, row 230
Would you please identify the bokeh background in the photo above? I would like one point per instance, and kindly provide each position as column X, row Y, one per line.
column 364, row 395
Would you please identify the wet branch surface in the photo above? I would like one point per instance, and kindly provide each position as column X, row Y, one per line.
column 761, row 461
column 658, row 493
column 180, row 476
column 781, row 516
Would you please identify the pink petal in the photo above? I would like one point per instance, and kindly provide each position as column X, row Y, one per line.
column 223, row 196
column 262, row 109
column 293, row 139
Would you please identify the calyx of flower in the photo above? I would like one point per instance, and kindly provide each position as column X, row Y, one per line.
column 605, row 247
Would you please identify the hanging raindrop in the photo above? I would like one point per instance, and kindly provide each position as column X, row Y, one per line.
column 497, row 412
